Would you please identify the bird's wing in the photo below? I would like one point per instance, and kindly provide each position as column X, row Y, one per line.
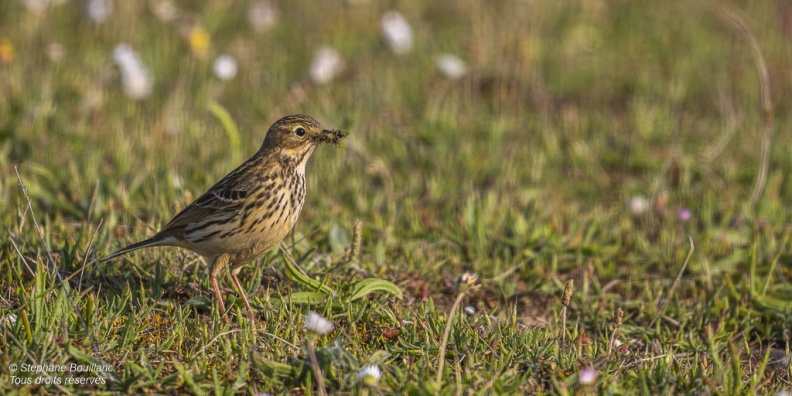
column 216, row 203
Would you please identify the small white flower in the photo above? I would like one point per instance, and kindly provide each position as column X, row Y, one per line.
column 327, row 64
column 56, row 51
column 587, row 376
column 626, row 351
column 262, row 15
column 468, row 279
column 316, row 324
column 177, row 181
column 451, row 66
column 225, row 67
column 397, row 31
column 370, row 375
column 98, row 10
column 134, row 75
column 165, row 10
column 11, row 319
column 137, row 85
column 469, row 310
column 638, row 205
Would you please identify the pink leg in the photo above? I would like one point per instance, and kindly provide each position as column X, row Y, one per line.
column 217, row 266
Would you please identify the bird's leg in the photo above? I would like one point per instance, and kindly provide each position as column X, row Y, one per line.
column 217, row 266
column 234, row 273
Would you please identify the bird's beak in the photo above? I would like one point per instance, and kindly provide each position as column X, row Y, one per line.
column 335, row 136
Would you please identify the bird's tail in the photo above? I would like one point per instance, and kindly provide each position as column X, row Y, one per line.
column 153, row 241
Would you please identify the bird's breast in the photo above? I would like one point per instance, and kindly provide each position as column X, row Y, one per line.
column 266, row 221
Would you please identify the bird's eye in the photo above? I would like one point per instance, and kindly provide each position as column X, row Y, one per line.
column 300, row 131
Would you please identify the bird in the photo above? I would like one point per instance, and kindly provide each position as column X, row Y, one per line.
column 251, row 209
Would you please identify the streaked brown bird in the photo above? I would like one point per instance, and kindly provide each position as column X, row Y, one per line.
column 251, row 209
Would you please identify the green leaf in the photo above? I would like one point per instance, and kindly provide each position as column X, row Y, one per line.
column 201, row 301
column 101, row 368
column 296, row 274
column 773, row 301
column 373, row 285
column 309, row 298
column 81, row 356
column 229, row 126
column 379, row 357
column 277, row 369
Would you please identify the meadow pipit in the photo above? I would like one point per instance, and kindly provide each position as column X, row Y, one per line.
column 251, row 209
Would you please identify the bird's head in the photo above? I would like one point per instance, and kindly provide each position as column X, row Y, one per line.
column 298, row 133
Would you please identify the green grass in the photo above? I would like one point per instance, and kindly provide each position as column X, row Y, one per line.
column 520, row 172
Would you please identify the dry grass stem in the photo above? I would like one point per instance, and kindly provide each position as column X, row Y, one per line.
column 444, row 340
column 738, row 22
column 569, row 288
column 357, row 241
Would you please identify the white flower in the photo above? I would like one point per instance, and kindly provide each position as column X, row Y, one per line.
column 134, row 75
column 11, row 319
column 165, row 10
column 316, row 324
column 587, row 376
column 225, row 67
column 469, row 310
column 468, row 279
column 98, row 10
column 177, row 181
column 56, row 51
column 327, row 64
column 397, row 31
column 638, row 205
column 262, row 15
column 370, row 375
column 451, row 66
column 626, row 350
